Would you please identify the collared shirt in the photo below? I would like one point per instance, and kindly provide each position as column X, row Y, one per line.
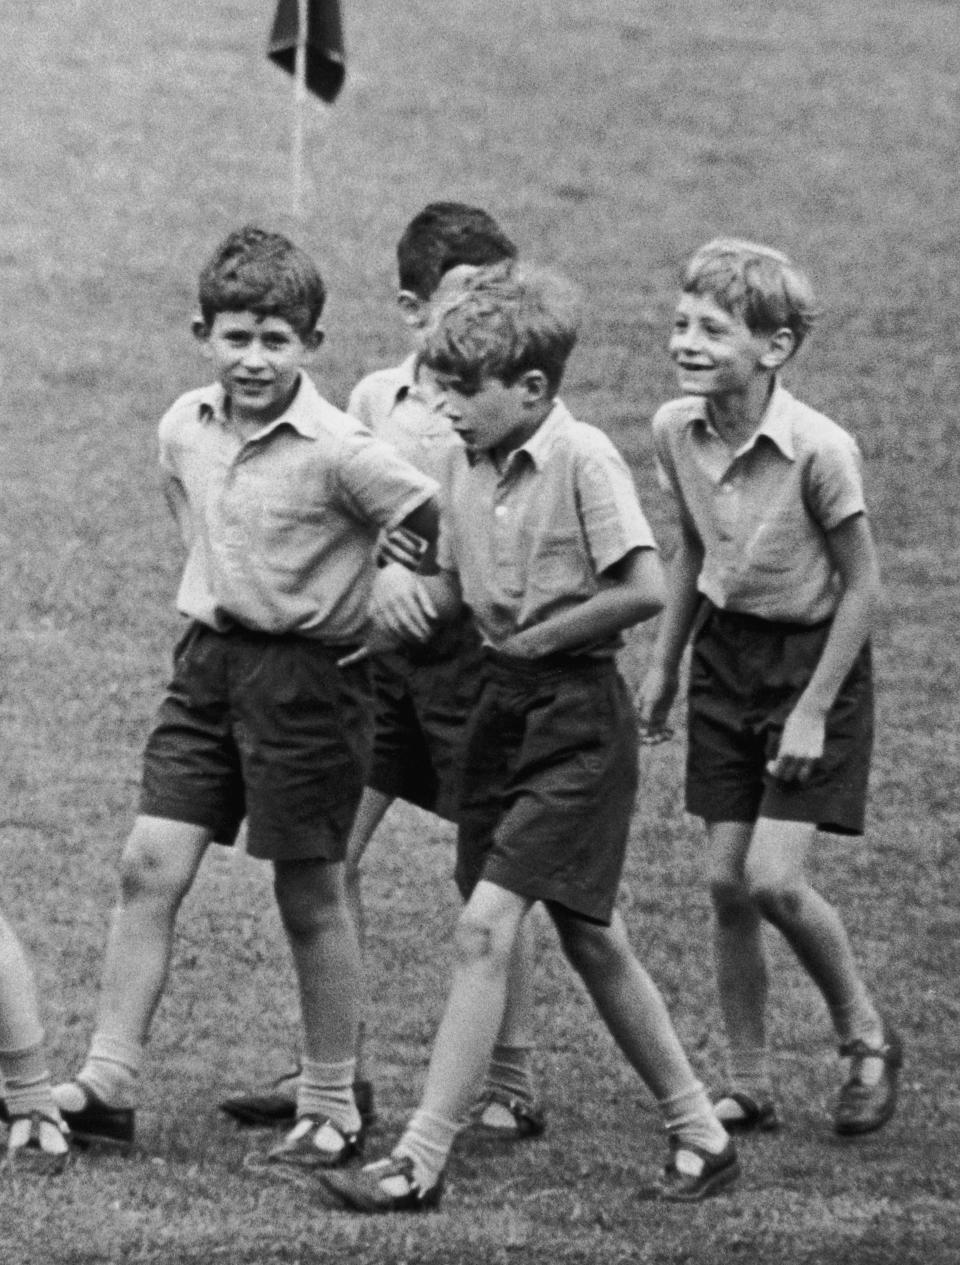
column 762, row 512
column 400, row 411
column 532, row 539
column 281, row 526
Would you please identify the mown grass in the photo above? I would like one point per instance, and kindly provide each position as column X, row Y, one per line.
column 611, row 138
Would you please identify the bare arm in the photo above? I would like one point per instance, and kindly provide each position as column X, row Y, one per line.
column 854, row 555
column 631, row 591
column 659, row 687
column 176, row 499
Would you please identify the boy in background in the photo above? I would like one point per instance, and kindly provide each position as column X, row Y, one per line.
column 543, row 538
column 280, row 498
column 775, row 582
column 425, row 690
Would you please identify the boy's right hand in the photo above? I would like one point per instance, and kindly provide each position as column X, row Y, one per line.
column 400, row 605
column 654, row 700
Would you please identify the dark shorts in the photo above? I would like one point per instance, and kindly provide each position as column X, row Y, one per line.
column 264, row 727
column 422, row 698
column 746, row 674
column 550, row 779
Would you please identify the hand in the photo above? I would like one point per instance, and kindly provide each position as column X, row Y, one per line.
column 523, row 645
column 400, row 605
column 379, row 641
column 654, row 700
column 801, row 746
column 404, row 547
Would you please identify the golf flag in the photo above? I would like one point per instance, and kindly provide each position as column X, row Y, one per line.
column 323, row 50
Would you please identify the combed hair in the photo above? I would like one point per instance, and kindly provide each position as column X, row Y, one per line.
column 253, row 270
column 762, row 286
column 445, row 235
column 505, row 321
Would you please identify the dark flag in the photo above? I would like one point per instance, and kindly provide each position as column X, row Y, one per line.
column 325, row 67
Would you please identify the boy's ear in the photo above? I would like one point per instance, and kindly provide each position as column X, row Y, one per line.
column 314, row 340
column 536, row 388
column 781, row 345
column 413, row 309
column 199, row 328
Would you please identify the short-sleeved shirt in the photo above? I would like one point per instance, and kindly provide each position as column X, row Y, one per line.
column 395, row 406
column 762, row 513
column 532, row 539
column 282, row 525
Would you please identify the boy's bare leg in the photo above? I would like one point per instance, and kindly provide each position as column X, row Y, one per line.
column 776, row 878
column 157, row 869
column 28, row 1095
column 509, row 1097
column 370, row 813
column 741, row 969
column 633, row 1010
column 311, row 896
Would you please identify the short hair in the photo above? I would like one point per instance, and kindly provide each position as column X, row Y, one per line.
column 253, row 270
column 445, row 235
column 762, row 286
column 506, row 320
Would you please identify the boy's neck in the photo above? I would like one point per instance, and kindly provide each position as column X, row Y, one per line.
column 247, row 425
column 736, row 417
column 522, row 435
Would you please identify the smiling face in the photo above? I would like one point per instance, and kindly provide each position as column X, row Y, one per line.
column 488, row 414
column 257, row 360
column 715, row 352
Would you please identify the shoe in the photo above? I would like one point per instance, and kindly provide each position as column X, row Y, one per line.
column 862, row 1108
column 500, row 1115
column 692, row 1174
column 742, row 1113
column 38, row 1144
column 279, row 1106
column 386, row 1186
column 315, row 1142
column 96, row 1123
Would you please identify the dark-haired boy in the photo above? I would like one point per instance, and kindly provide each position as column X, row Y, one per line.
column 543, row 538
column 775, row 583
column 280, row 498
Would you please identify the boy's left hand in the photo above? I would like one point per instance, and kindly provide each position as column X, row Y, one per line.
column 801, row 746
column 400, row 604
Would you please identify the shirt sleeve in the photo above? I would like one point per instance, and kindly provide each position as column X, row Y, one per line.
column 613, row 522
column 662, row 456
column 380, row 486
column 833, row 483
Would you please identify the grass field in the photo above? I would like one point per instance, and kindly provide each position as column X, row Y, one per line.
column 610, row 137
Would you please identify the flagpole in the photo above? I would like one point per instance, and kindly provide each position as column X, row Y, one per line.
column 299, row 112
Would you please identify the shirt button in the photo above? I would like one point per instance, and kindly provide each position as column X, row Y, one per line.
column 501, row 511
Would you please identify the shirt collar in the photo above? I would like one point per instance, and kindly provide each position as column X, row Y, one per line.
column 301, row 414
column 538, row 446
column 775, row 424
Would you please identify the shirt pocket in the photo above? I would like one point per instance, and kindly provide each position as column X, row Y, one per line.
column 559, row 565
column 776, row 540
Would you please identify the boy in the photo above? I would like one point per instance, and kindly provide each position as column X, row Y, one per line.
column 38, row 1140
column 775, row 581
column 543, row 538
column 424, row 692
column 279, row 498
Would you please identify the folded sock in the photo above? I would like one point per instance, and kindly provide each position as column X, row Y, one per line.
column 325, row 1090
column 427, row 1140
column 690, row 1118
column 110, row 1071
column 26, row 1082
column 511, row 1072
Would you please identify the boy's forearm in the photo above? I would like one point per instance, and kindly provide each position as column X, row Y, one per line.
column 848, row 632
column 683, row 598
column 444, row 591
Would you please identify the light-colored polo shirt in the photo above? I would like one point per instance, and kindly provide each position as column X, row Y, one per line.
column 402, row 412
column 762, row 512
column 532, row 539
column 282, row 525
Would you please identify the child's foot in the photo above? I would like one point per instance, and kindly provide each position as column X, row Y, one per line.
column 38, row 1144
column 91, row 1121
column 868, row 1096
column 692, row 1174
column 316, row 1143
column 740, row 1112
column 502, row 1115
column 384, row 1186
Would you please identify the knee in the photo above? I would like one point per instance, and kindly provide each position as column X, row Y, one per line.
column 311, row 899
column 148, row 874
column 589, row 947
column 777, row 898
